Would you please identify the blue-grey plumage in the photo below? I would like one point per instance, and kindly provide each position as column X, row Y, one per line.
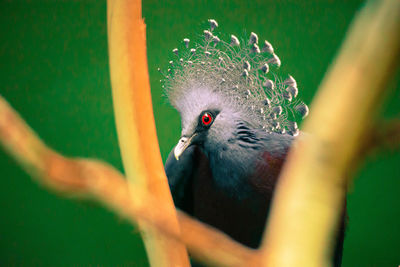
column 223, row 175
column 223, row 193
column 236, row 132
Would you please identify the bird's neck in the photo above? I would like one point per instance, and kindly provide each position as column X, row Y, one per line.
column 230, row 170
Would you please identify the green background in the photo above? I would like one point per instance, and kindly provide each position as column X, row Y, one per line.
column 54, row 71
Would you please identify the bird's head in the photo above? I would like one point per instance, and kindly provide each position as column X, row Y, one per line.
column 219, row 87
column 207, row 119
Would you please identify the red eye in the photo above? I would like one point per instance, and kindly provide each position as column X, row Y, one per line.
column 206, row 119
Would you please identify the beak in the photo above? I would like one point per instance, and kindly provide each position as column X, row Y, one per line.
column 183, row 143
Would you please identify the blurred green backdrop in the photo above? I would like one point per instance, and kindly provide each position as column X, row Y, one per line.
column 54, row 71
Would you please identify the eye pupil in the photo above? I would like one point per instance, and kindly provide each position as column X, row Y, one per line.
column 206, row 119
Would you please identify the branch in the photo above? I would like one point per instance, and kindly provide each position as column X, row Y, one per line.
column 311, row 190
column 136, row 127
column 85, row 178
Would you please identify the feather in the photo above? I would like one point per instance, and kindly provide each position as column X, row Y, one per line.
column 234, row 73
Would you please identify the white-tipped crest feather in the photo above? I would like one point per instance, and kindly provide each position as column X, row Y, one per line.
column 223, row 74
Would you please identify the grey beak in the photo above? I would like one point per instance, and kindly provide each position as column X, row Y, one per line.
column 183, row 143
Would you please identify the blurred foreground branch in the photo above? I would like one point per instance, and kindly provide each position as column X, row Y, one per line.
column 136, row 127
column 86, row 178
column 312, row 186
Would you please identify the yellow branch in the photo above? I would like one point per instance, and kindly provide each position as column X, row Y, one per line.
column 310, row 194
column 135, row 125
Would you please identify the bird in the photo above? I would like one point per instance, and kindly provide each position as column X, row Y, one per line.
column 239, row 120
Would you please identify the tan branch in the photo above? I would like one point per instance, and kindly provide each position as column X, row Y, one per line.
column 312, row 187
column 87, row 178
column 136, row 127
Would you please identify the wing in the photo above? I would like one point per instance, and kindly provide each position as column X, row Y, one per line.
column 180, row 178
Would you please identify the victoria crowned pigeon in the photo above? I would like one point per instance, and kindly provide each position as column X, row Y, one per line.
column 237, row 128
